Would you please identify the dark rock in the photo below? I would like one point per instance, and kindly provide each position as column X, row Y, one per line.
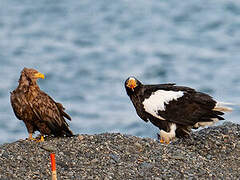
column 114, row 157
column 210, row 153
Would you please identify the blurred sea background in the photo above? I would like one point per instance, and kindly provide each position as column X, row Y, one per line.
column 87, row 49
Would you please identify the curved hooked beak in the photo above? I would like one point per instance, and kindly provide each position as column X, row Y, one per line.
column 39, row 75
column 132, row 84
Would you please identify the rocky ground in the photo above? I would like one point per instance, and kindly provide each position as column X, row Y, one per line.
column 210, row 153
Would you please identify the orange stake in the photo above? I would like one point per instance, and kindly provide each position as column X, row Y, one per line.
column 53, row 163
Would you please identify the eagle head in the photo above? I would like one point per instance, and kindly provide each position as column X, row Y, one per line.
column 131, row 84
column 32, row 74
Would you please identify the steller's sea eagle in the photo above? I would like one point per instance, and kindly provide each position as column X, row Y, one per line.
column 175, row 110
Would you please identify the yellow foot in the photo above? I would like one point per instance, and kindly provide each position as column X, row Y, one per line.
column 41, row 139
column 31, row 139
column 161, row 141
column 167, row 142
column 164, row 142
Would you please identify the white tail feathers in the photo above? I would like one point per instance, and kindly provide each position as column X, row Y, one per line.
column 222, row 106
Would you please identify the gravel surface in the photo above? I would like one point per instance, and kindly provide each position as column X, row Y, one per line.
column 210, row 153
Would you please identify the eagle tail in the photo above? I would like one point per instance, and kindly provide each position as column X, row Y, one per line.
column 61, row 109
column 69, row 133
column 66, row 131
column 223, row 107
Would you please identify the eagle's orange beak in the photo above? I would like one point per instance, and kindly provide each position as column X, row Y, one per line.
column 39, row 75
column 131, row 83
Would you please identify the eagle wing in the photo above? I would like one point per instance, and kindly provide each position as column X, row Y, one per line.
column 181, row 105
column 46, row 109
column 189, row 110
column 16, row 106
column 61, row 109
column 20, row 105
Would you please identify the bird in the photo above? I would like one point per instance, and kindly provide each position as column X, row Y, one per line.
column 175, row 110
column 36, row 109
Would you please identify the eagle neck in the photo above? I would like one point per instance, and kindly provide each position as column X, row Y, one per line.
column 23, row 83
column 136, row 97
column 33, row 90
column 33, row 87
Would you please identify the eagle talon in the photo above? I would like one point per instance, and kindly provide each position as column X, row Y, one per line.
column 164, row 142
column 41, row 139
column 167, row 142
column 161, row 141
column 31, row 139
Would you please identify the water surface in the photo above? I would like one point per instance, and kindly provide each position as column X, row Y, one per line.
column 87, row 49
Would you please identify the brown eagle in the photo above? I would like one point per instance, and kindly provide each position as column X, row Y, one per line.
column 38, row 110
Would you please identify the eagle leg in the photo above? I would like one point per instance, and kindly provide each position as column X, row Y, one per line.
column 166, row 137
column 30, row 138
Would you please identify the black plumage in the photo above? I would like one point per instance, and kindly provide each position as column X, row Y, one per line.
column 167, row 104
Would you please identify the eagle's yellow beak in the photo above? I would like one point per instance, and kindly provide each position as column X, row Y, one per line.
column 39, row 75
column 131, row 83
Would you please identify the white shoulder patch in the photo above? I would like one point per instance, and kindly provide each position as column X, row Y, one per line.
column 156, row 102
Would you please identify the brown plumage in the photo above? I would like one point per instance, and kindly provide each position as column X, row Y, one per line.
column 38, row 111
